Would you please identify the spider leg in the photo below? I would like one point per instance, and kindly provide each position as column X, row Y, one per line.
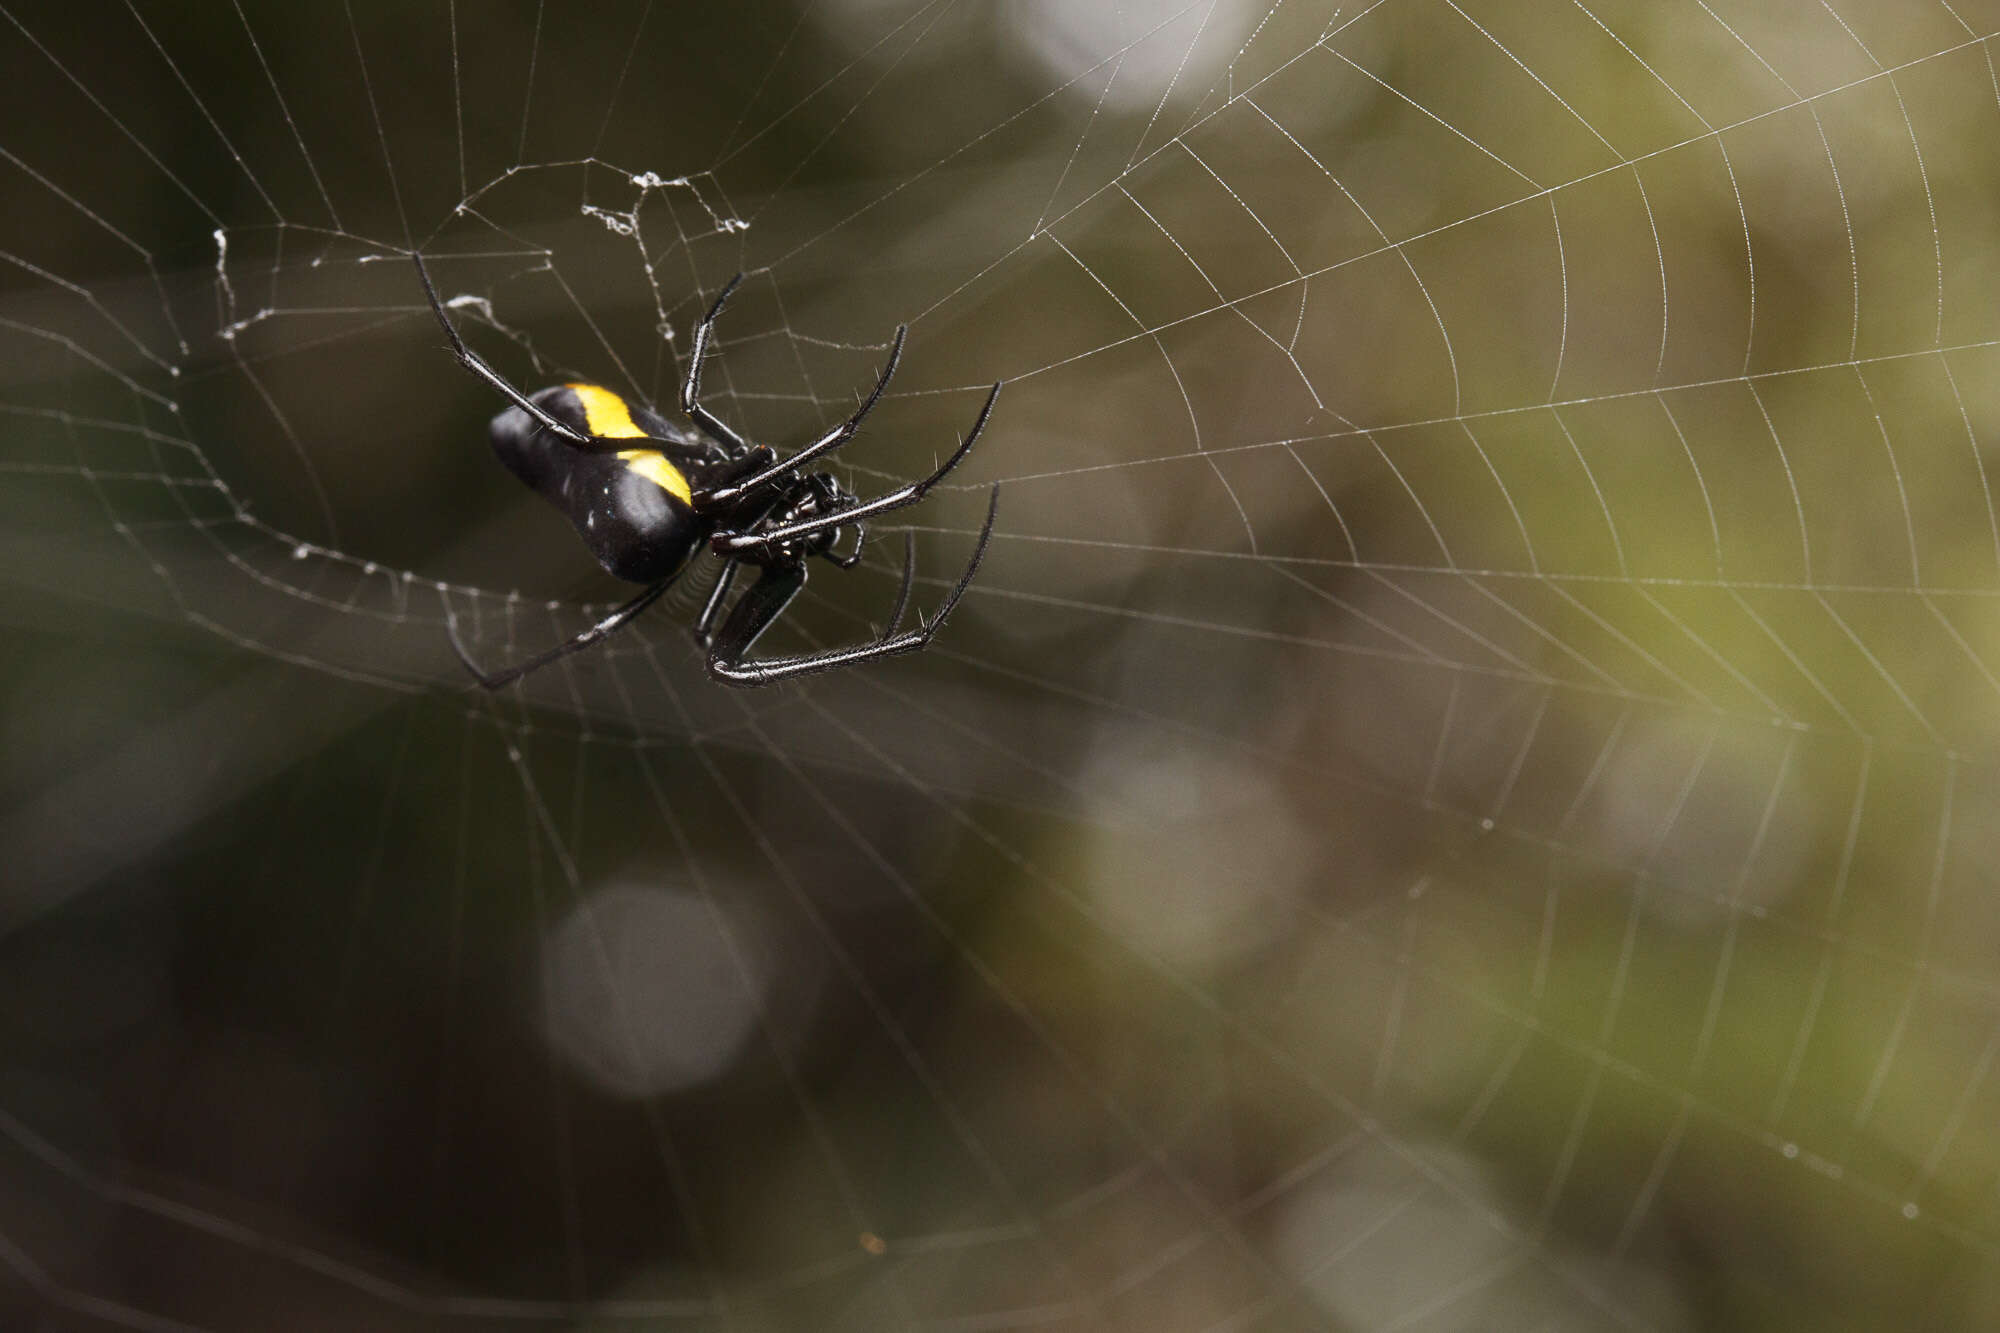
column 825, row 444
column 774, row 591
column 472, row 362
column 754, row 611
column 895, row 621
column 852, row 558
column 734, row 543
column 602, row 630
column 716, row 427
column 704, row 625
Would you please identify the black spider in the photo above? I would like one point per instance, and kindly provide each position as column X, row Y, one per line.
column 645, row 495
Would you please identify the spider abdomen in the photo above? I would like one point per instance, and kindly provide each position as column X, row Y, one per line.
column 630, row 507
column 639, row 531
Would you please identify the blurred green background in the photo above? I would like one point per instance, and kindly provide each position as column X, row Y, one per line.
column 1462, row 796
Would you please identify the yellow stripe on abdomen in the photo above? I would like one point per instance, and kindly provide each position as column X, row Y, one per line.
column 605, row 414
column 654, row 467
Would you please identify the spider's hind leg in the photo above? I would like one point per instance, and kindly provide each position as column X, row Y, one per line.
column 603, row 629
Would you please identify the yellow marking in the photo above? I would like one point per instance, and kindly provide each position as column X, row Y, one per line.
column 654, row 467
column 605, row 414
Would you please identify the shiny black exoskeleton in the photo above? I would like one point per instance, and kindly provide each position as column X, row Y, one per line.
column 633, row 508
column 646, row 494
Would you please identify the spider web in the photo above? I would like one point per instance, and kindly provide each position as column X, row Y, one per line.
column 1460, row 798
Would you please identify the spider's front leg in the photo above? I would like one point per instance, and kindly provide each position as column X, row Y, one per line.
column 738, row 542
column 771, row 471
column 767, row 599
column 754, row 611
column 711, row 610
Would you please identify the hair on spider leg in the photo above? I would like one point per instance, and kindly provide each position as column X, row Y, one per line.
column 647, row 495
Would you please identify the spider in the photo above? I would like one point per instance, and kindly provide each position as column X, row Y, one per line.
column 645, row 495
